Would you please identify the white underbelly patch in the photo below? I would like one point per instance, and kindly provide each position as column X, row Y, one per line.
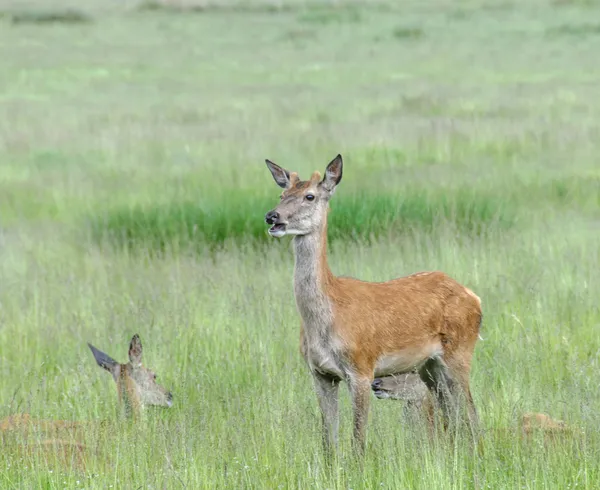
column 407, row 359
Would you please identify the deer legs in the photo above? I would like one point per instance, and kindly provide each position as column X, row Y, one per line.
column 450, row 387
column 327, row 389
column 360, row 390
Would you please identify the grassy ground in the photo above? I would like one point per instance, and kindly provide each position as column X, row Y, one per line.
column 132, row 196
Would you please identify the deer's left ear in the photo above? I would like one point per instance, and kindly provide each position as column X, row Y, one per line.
column 333, row 174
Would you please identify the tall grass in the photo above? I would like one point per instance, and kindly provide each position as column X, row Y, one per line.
column 39, row 17
column 221, row 332
column 132, row 200
column 361, row 216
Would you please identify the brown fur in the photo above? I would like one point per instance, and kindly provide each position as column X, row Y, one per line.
column 354, row 330
column 55, row 453
column 23, row 421
column 56, row 442
column 59, row 442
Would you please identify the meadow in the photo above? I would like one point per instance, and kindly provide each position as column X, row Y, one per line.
column 132, row 198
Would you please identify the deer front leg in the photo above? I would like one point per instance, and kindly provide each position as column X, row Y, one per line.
column 360, row 390
column 327, row 389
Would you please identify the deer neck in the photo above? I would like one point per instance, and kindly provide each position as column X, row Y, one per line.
column 131, row 407
column 312, row 279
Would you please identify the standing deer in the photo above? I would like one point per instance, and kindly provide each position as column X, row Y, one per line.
column 61, row 439
column 354, row 330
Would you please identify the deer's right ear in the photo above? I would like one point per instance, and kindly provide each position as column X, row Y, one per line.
column 281, row 175
column 105, row 361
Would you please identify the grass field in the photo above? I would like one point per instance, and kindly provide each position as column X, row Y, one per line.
column 132, row 199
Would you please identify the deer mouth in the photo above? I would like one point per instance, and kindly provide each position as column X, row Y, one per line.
column 378, row 391
column 277, row 230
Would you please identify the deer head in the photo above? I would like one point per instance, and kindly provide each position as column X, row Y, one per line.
column 304, row 204
column 407, row 387
column 136, row 383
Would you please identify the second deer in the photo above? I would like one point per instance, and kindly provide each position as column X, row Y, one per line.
column 64, row 440
column 353, row 330
column 419, row 407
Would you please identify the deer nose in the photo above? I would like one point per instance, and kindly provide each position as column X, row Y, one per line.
column 376, row 384
column 271, row 217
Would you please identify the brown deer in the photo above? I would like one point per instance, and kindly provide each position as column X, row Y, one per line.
column 354, row 330
column 410, row 389
column 136, row 384
column 61, row 439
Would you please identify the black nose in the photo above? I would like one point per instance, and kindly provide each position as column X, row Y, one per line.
column 271, row 217
column 170, row 396
column 376, row 384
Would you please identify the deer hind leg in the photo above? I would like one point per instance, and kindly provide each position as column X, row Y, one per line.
column 327, row 390
column 448, row 381
column 459, row 367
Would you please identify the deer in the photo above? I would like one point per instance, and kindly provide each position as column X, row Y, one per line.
column 137, row 388
column 353, row 330
column 136, row 384
column 419, row 406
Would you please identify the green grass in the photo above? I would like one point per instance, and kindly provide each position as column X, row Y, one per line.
column 132, row 198
column 360, row 216
column 408, row 32
column 68, row 16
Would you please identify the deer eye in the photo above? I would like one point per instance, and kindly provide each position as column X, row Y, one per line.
column 310, row 197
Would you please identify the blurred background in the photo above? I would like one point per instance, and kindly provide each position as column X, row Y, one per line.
column 132, row 198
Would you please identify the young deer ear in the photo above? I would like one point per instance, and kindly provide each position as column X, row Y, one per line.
column 135, row 350
column 281, row 175
column 105, row 361
column 333, row 174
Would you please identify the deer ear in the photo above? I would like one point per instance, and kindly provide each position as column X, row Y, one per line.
column 281, row 175
column 135, row 350
column 333, row 174
column 105, row 361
